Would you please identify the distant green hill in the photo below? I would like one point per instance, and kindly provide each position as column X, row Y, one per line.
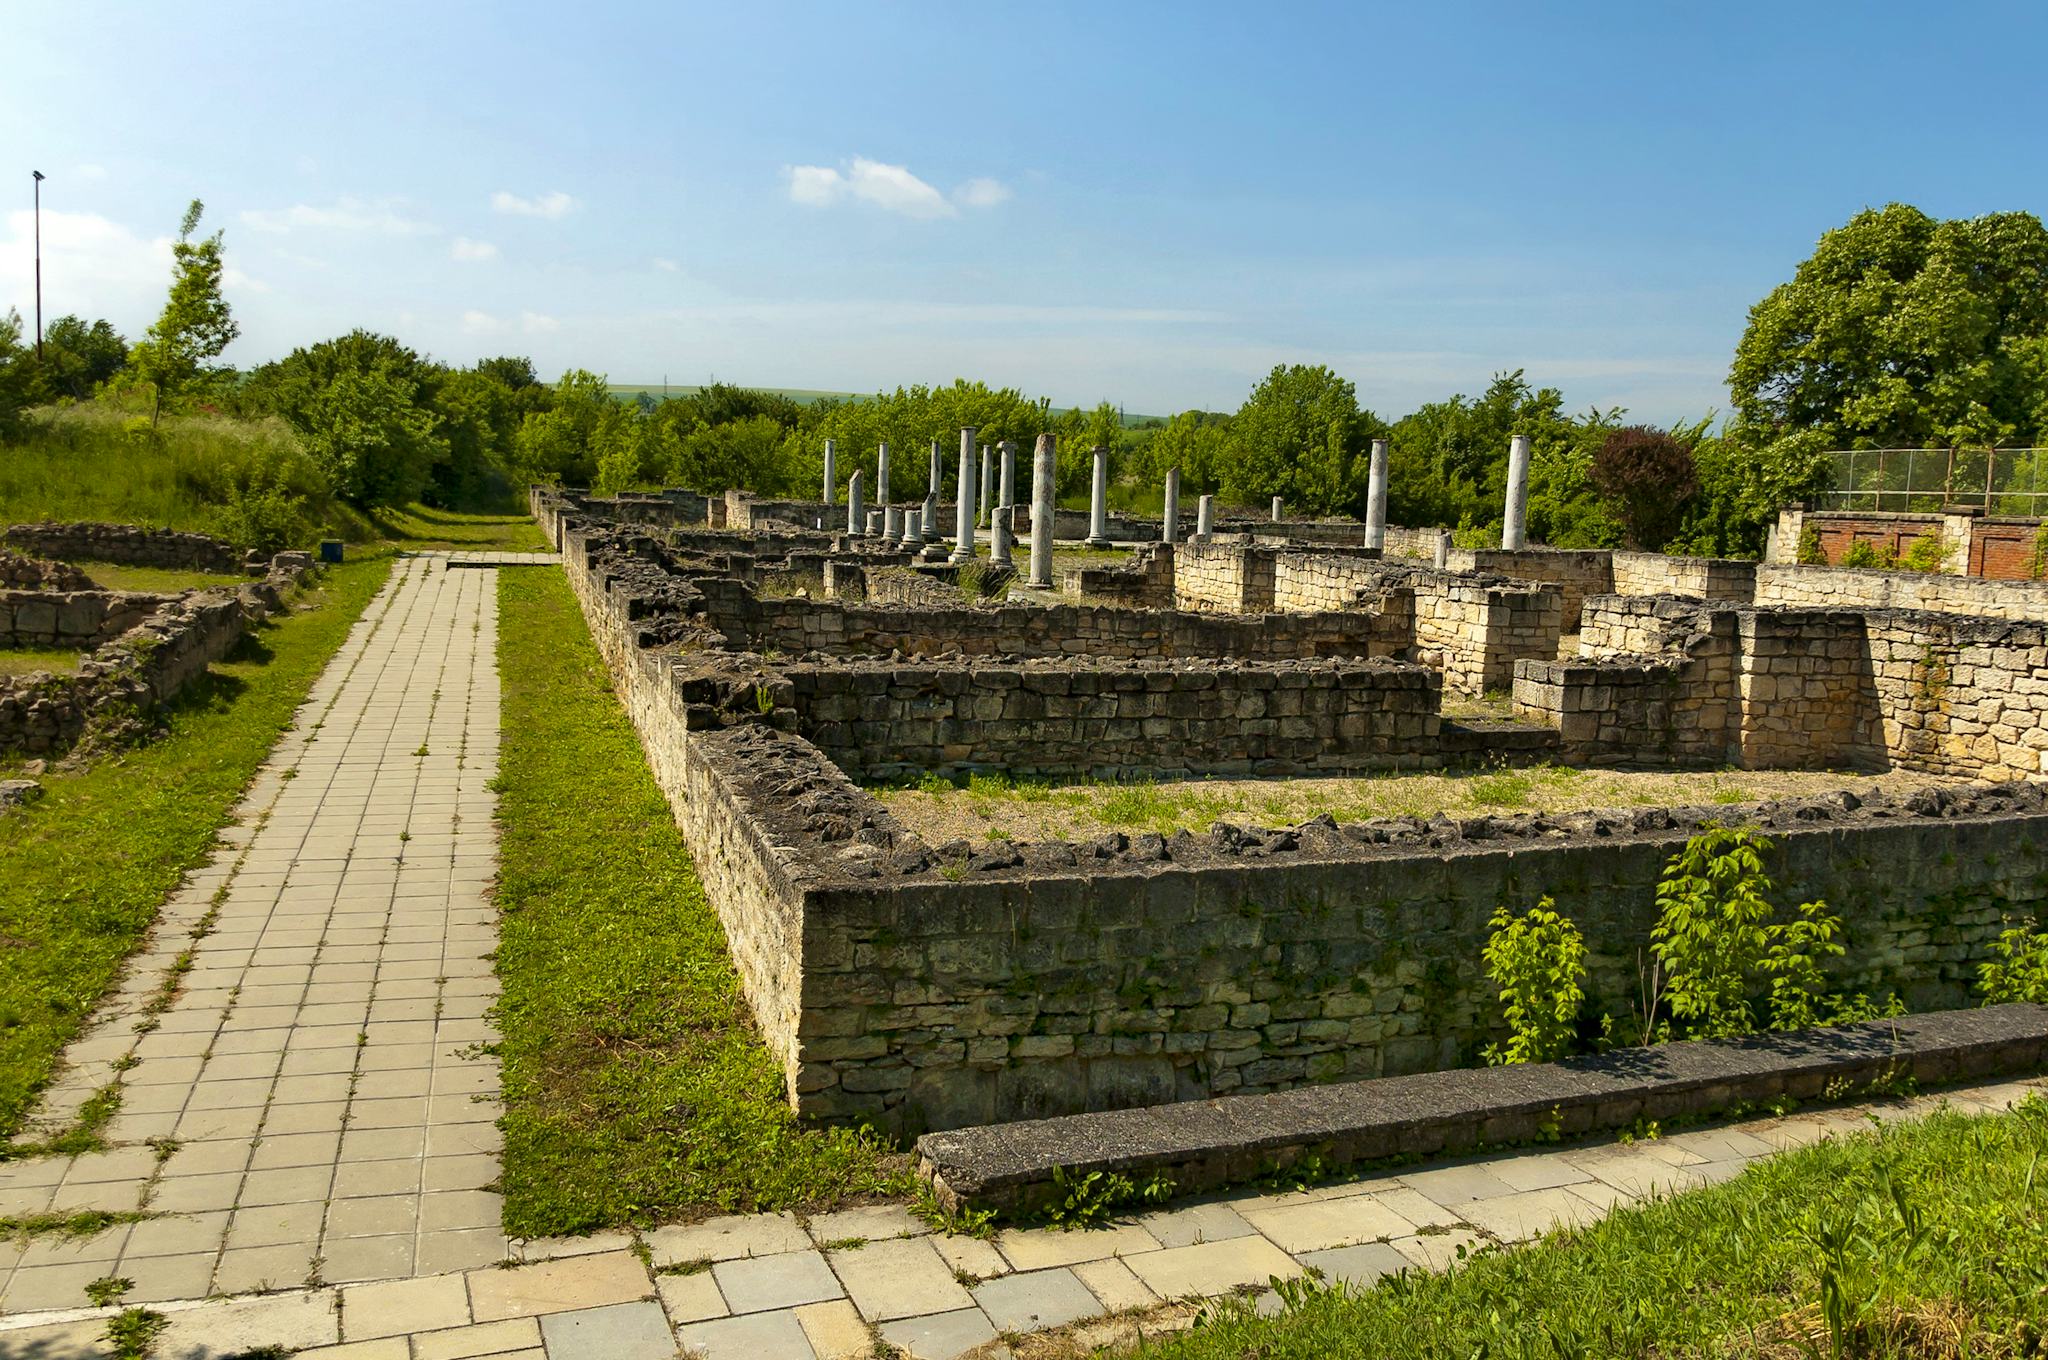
column 802, row 396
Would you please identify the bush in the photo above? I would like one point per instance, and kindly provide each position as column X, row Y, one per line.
column 1538, row 960
column 1926, row 554
column 1811, row 554
column 2020, row 973
column 1650, row 478
column 1869, row 556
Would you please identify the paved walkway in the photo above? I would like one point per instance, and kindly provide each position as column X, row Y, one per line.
column 305, row 1116
column 314, row 1068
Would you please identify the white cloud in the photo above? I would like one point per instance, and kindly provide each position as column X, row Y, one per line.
column 889, row 187
column 550, row 205
column 481, row 323
column 666, row 266
column 472, row 251
column 92, row 265
column 534, row 323
column 346, row 214
column 982, row 193
column 89, row 171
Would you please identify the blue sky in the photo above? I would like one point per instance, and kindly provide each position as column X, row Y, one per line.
column 1151, row 204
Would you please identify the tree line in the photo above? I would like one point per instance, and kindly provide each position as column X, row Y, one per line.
column 1899, row 331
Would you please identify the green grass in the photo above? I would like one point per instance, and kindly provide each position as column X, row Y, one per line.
column 83, row 871
column 28, row 660
column 1922, row 1239
column 423, row 527
column 636, row 1087
column 157, row 580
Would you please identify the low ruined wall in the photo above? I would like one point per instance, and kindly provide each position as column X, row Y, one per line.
column 141, row 669
column 794, row 627
column 1225, row 577
column 879, row 721
column 1949, row 694
column 1844, row 588
column 126, row 544
column 1108, row 986
column 76, row 618
column 1576, row 572
column 35, row 573
column 1718, row 580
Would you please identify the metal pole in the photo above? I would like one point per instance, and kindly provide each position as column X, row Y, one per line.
column 39, row 265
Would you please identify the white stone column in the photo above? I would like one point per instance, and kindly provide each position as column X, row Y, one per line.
column 1276, row 509
column 1205, row 518
column 1514, row 526
column 1098, row 502
column 1376, row 497
column 882, row 474
column 1169, row 532
column 1442, row 557
column 1044, row 477
column 981, row 490
column 963, row 517
column 913, row 528
column 856, row 513
column 931, row 517
column 892, row 525
column 831, row 482
column 1003, row 523
column 938, row 479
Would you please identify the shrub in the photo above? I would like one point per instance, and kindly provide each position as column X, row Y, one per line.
column 1870, row 557
column 1926, row 554
column 1716, row 941
column 1649, row 476
column 2020, row 973
column 1538, row 960
column 1811, row 554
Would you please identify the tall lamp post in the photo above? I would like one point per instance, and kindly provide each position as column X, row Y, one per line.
column 39, row 265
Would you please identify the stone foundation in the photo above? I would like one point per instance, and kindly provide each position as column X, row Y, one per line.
column 126, row 544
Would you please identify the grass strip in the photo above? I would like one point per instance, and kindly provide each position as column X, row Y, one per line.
column 636, row 1087
column 1921, row 1239
column 83, row 871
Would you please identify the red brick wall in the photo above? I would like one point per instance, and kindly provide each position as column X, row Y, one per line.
column 1837, row 534
column 2004, row 551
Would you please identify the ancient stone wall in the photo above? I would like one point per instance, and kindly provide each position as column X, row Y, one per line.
column 1146, row 581
column 35, row 573
column 1576, row 572
column 1227, row 576
column 932, row 987
column 882, row 721
column 73, row 618
column 1843, row 588
column 1019, row 995
column 794, row 627
column 126, row 544
column 1720, row 580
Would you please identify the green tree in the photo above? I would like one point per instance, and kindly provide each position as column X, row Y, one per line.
column 196, row 324
column 1299, row 435
column 1903, row 331
column 366, row 407
column 560, row 443
column 17, row 374
column 79, row 355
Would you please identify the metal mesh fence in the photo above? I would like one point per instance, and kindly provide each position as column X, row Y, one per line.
column 1998, row 481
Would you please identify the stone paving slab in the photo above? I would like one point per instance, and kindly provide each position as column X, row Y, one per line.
column 821, row 1297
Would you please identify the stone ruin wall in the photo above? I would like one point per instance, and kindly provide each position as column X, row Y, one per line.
column 1848, row 588
column 78, row 619
column 126, row 544
column 974, row 1002
column 883, row 721
column 1715, row 579
column 1471, row 629
column 924, row 987
column 1664, row 679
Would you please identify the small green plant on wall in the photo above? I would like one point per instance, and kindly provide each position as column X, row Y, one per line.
column 2019, row 973
column 1538, row 961
column 1811, row 554
column 1870, row 557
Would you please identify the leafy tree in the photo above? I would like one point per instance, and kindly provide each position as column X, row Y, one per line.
column 560, row 444
column 78, row 356
column 367, row 432
column 1299, row 435
column 1901, row 331
column 17, row 374
column 1196, row 442
column 1649, row 476
column 196, row 324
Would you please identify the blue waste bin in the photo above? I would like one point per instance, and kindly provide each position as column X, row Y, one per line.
column 330, row 550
